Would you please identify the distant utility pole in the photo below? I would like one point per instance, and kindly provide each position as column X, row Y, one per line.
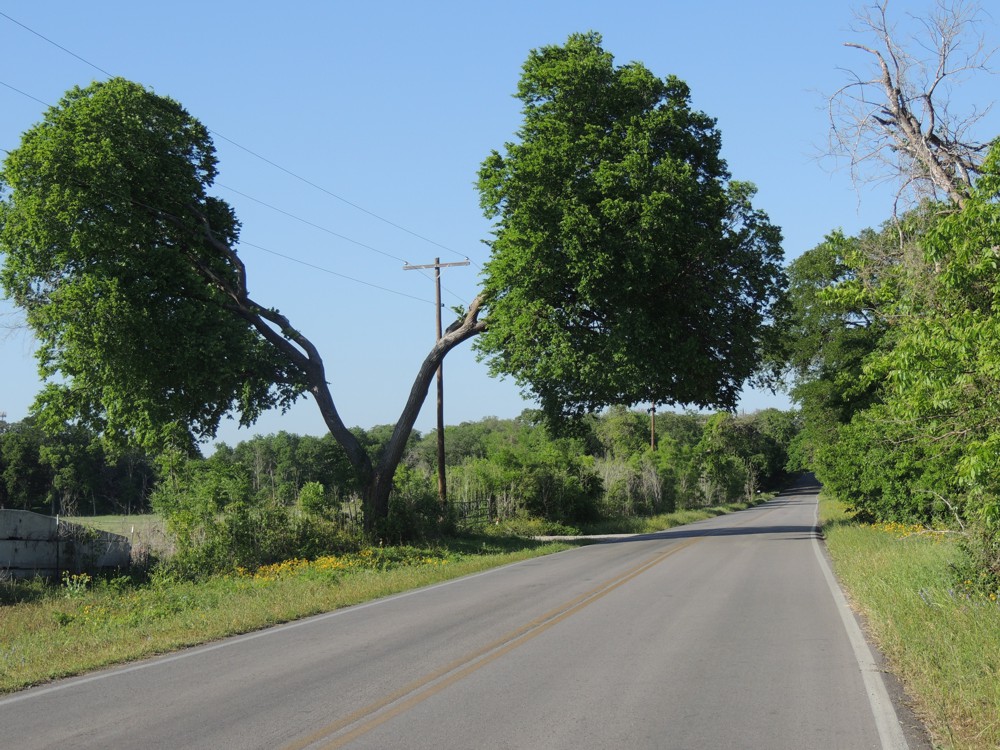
column 437, row 265
column 652, row 427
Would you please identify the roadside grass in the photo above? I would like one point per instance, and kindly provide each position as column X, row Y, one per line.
column 662, row 521
column 48, row 632
column 939, row 633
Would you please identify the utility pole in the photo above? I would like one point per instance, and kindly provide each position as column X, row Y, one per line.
column 437, row 265
column 652, row 427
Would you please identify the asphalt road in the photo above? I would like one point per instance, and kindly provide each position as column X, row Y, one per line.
column 721, row 634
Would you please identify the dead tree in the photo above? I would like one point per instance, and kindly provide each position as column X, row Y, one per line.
column 900, row 121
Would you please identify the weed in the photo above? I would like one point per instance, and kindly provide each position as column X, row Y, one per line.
column 75, row 584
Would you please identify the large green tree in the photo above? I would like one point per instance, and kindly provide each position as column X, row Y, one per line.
column 128, row 272
column 626, row 266
column 641, row 272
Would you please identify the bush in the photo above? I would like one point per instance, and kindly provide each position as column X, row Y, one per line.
column 250, row 536
column 415, row 511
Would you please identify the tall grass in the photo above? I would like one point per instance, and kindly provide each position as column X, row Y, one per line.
column 940, row 633
column 146, row 532
column 48, row 632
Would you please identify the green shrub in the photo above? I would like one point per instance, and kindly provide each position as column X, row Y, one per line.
column 415, row 510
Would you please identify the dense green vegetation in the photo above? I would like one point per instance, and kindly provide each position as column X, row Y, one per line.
column 281, row 496
column 895, row 355
column 70, row 472
column 625, row 268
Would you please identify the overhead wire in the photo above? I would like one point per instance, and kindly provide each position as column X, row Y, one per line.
column 254, row 153
column 353, row 205
column 312, row 224
column 329, row 231
column 24, row 93
column 290, row 215
column 334, row 273
column 56, row 44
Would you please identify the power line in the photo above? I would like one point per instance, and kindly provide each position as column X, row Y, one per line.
column 56, row 44
column 22, row 93
column 338, row 197
column 290, row 215
column 244, row 148
column 310, row 223
column 334, row 273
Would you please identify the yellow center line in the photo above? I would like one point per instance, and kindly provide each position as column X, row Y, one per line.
column 433, row 683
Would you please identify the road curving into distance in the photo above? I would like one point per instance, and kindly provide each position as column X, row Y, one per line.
column 728, row 633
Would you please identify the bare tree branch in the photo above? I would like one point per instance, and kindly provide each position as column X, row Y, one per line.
column 899, row 123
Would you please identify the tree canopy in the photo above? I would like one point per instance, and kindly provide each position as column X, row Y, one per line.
column 626, row 267
column 110, row 245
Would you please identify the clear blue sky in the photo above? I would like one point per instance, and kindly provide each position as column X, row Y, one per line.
column 391, row 106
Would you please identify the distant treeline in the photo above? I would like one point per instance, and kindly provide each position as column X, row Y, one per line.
column 605, row 467
column 70, row 473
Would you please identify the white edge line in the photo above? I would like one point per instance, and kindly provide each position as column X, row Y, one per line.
column 886, row 722
column 155, row 661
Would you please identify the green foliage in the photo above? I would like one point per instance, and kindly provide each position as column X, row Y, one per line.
column 549, row 477
column 277, row 466
column 898, row 367
column 626, row 267
column 220, row 521
column 833, row 326
column 75, row 584
column 69, row 472
column 24, row 480
column 415, row 509
column 249, row 536
column 737, row 457
column 609, row 471
column 462, row 442
column 885, row 472
column 108, row 235
column 313, row 499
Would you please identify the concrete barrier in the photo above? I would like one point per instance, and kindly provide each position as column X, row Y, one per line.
column 32, row 544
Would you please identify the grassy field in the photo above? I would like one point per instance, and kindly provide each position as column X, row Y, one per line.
column 145, row 531
column 940, row 635
column 47, row 632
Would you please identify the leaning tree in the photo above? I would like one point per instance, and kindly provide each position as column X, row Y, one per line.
column 625, row 266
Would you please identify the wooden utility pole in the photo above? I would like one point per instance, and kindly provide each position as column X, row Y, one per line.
column 437, row 265
column 652, row 427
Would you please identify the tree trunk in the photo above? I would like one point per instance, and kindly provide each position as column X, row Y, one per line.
column 376, row 482
column 379, row 484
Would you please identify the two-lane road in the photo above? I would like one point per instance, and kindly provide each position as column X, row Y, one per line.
column 722, row 634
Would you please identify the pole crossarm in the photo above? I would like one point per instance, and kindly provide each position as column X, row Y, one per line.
column 409, row 267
